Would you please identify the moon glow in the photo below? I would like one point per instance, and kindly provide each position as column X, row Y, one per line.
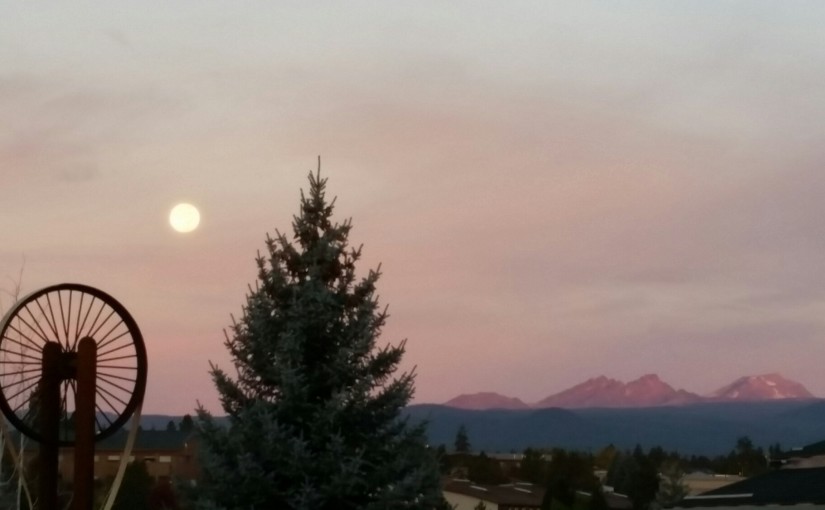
column 184, row 218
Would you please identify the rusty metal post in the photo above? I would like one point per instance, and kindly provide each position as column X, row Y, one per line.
column 49, row 416
column 84, row 425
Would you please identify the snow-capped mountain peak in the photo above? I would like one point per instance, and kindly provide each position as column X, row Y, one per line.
column 761, row 387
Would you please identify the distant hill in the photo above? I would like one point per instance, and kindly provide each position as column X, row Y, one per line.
column 486, row 400
column 646, row 391
column 707, row 428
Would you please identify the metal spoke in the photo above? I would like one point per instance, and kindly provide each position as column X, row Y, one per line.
column 54, row 321
column 27, row 371
column 29, row 411
column 6, row 362
column 117, row 358
column 45, row 318
column 102, row 339
column 40, row 333
column 116, row 377
column 10, row 339
column 21, row 355
column 104, row 344
column 93, row 333
column 25, row 380
column 97, row 317
column 86, row 317
column 63, row 318
column 36, row 347
column 21, row 404
column 77, row 322
column 99, row 390
column 101, row 413
column 43, row 333
column 101, row 354
column 104, row 390
column 107, row 381
column 24, row 390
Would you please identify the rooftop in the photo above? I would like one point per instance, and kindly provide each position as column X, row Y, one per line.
column 778, row 487
column 513, row 494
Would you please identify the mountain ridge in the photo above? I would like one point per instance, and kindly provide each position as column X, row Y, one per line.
column 646, row 391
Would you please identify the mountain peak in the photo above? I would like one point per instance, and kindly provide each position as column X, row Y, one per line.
column 761, row 387
column 646, row 391
column 601, row 391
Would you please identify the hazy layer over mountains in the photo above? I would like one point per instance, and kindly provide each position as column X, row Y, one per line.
column 646, row 391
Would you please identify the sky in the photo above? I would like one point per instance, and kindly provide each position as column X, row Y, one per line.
column 554, row 190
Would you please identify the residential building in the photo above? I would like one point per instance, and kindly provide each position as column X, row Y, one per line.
column 166, row 454
column 466, row 495
column 775, row 490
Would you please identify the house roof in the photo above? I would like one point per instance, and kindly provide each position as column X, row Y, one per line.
column 147, row 440
column 513, row 494
column 782, row 487
column 806, row 451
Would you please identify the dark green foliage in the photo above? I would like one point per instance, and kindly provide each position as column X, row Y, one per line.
column 314, row 410
column 597, row 500
column 748, row 459
column 171, row 427
column 444, row 463
column 187, row 425
column 671, row 488
column 635, row 476
column 533, row 467
column 134, row 489
column 462, row 440
column 604, row 459
column 484, row 470
column 163, row 497
column 567, row 473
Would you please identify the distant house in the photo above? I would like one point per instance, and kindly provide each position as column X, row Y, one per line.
column 777, row 489
column 699, row 482
column 166, row 454
column 809, row 456
column 510, row 462
column 466, row 495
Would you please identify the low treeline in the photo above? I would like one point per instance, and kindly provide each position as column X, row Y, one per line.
column 644, row 476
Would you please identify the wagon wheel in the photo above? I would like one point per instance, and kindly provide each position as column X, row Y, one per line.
column 65, row 314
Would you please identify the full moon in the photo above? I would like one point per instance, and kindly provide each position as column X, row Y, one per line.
column 184, row 218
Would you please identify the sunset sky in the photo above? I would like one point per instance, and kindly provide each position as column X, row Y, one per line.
column 555, row 190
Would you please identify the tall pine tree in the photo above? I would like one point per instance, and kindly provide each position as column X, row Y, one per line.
column 315, row 408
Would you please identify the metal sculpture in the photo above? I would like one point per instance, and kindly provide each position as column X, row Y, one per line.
column 73, row 370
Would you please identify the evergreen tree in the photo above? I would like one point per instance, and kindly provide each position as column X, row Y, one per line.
column 462, row 440
column 484, row 470
column 672, row 489
column 187, row 424
column 315, row 409
column 533, row 467
column 634, row 476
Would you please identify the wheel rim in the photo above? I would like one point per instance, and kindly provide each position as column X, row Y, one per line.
column 65, row 314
